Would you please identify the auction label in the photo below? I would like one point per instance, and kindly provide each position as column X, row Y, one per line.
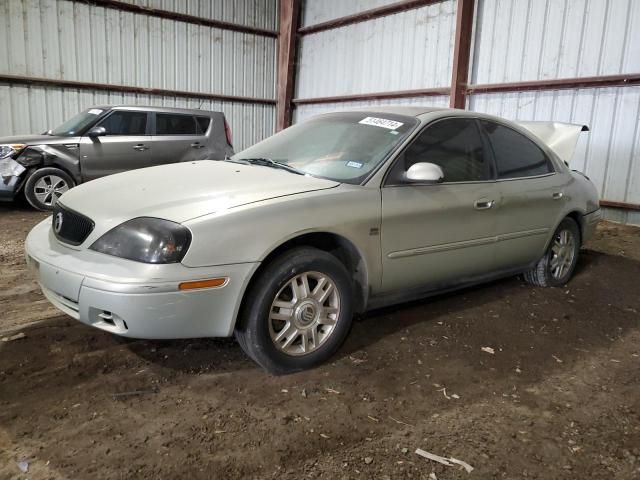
column 381, row 122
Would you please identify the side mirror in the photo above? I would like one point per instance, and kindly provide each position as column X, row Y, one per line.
column 97, row 132
column 424, row 172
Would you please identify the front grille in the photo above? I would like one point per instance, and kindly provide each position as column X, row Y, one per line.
column 69, row 226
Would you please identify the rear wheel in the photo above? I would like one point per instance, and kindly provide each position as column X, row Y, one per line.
column 298, row 312
column 555, row 268
column 44, row 186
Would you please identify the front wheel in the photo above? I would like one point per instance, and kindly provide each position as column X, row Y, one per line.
column 555, row 268
column 44, row 186
column 298, row 312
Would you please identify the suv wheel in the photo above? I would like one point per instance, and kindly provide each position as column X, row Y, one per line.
column 44, row 186
column 555, row 268
column 298, row 312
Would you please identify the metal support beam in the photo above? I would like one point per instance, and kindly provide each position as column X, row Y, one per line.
column 51, row 82
column 424, row 92
column 366, row 15
column 462, row 54
column 181, row 17
column 559, row 84
column 621, row 205
column 287, row 41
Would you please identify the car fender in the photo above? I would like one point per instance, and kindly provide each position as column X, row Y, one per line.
column 251, row 232
column 64, row 156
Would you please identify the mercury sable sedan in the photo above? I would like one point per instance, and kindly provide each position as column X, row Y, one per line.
column 284, row 242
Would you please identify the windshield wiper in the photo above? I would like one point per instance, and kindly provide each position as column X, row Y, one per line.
column 267, row 162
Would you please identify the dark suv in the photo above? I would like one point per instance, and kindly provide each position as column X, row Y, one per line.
column 105, row 140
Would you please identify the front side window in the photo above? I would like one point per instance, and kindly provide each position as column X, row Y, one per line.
column 515, row 155
column 172, row 124
column 78, row 123
column 345, row 147
column 455, row 145
column 125, row 123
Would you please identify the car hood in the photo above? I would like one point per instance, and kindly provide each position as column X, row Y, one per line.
column 183, row 191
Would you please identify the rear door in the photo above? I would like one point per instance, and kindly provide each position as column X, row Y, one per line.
column 532, row 195
column 437, row 235
column 126, row 145
column 177, row 138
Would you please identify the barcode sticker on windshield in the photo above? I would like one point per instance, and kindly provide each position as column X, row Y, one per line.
column 95, row 111
column 381, row 122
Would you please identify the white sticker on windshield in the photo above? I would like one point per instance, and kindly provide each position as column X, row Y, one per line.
column 95, row 111
column 354, row 164
column 381, row 122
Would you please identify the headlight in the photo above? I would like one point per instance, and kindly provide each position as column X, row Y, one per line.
column 147, row 240
column 10, row 150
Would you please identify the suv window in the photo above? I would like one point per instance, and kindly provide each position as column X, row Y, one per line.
column 515, row 155
column 125, row 123
column 203, row 123
column 174, row 124
column 455, row 145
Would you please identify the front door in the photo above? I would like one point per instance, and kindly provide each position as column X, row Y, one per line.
column 434, row 236
column 126, row 145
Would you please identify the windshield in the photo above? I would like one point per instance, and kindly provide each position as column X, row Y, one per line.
column 77, row 124
column 344, row 147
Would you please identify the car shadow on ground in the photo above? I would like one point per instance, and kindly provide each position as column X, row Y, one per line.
column 383, row 322
column 478, row 315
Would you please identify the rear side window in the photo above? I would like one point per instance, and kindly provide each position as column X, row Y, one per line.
column 203, row 123
column 172, row 124
column 125, row 123
column 455, row 145
column 516, row 156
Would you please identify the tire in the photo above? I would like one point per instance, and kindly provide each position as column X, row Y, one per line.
column 547, row 272
column 45, row 185
column 285, row 330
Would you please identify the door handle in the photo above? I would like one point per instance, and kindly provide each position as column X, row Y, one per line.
column 557, row 195
column 141, row 147
column 483, row 204
column 196, row 145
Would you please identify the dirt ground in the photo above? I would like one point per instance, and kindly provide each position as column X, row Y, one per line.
column 558, row 398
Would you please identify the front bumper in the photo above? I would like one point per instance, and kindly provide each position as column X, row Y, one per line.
column 9, row 187
column 134, row 299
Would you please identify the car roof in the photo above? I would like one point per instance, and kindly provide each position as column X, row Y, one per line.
column 425, row 113
column 149, row 108
column 407, row 110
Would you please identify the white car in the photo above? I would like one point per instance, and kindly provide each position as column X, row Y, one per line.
column 285, row 241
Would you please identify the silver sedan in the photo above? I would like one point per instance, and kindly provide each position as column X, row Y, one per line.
column 284, row 242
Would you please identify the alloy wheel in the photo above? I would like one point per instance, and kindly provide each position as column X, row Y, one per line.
column 304, row 313
column 563, row 252
column 49, row 188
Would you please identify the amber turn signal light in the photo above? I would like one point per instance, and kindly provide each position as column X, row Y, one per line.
column 211, row 283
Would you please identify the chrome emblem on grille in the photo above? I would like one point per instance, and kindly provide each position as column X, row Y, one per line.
column 57, row 222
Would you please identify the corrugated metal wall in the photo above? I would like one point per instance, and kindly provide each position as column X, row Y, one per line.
column 62, row 39
column 519, row 40
column 546, row 39
column 252, row 13
column 378, row 55
column 319, row 11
